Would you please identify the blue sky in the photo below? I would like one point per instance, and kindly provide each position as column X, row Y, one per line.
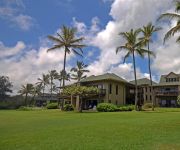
column 25, row 25
column 49, row 15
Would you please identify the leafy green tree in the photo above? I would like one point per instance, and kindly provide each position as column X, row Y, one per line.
column 67, row 40
column 147, row 38
column 25, row 90
column 132, row 45
column 5, row 86
column 81, row 91
column 79, row 71
column 43, row 82
column 176, row 29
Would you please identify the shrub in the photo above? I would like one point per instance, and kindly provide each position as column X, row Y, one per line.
column 24, row 108
column 126, row 108
column 106, row 107
column 147, row 106
column 68, row 107
column 52, row 106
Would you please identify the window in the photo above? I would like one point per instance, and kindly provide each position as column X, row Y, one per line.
column 110, row 88
column 146, row 97
column 146, row 89
column 116, row 89
column 150, row 98
column 150, row 89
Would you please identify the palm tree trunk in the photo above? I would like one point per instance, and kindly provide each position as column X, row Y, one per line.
column 43, row 91
column 64, row 69
column 136, row 89
column 51, row 87
column 150, row 79
column 26, row 99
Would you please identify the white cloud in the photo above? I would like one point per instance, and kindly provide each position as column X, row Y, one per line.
column 10, row 51
column 127, row 14
column 12, row 11
column 23, row 21
column 31, row 65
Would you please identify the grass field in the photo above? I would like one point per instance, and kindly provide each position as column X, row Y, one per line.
column 55, row 130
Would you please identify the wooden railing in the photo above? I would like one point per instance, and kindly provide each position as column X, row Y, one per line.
column 167, row 93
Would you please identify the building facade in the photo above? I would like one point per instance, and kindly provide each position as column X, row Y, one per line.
column 167, row 90
column 112, row 90
column 145, row 91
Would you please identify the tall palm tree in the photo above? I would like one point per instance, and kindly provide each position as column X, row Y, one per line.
column 67, row 40
column 147, row 38
column 171, row 16
column 132, row 45
column 25, row 90
column 79, row 71
column 52, row 75
column 43, row 82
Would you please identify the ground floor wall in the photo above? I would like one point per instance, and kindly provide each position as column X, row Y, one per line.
column 166, row 101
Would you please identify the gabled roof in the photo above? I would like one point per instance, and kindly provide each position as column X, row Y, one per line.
column 163, row 80
column 143, row 81
column 170, row 74
column 106, row 76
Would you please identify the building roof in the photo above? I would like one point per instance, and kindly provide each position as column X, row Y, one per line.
column 106, row 76
column 163, row 80
column 143, row 81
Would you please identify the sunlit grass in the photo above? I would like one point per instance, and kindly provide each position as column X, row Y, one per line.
column 55, row 130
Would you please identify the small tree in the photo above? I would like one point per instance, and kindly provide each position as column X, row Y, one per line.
column 81, row 91
column 5, row 86
column 25, row 90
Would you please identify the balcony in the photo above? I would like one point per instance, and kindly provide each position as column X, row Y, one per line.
column 167, row 93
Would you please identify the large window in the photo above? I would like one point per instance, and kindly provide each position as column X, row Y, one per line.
column 116, row 89
column 110, row 88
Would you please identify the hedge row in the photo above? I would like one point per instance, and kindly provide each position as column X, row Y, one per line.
column 108, row 107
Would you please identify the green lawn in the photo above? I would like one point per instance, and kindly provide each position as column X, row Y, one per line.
column 55, row 130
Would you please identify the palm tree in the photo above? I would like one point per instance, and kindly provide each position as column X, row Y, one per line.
column 43, row 82
column 35, row 91
column 79, row 70
column 171, row 16
column 52, row 75
column 62, row 75
column 25, row 90
column 132, row 46
column 147, row 38
column 67, row 40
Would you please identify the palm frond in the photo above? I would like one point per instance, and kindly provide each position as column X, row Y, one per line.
column 171, row 32
column 169, row 16
column 126, row 56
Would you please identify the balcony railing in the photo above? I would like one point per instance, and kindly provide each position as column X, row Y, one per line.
column 167, row 93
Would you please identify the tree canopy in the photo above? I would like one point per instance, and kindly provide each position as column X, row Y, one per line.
column 5, row 86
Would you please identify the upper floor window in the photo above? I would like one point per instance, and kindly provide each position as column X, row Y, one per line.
column 116, row 89
column 110, row 88
column 172, row 79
